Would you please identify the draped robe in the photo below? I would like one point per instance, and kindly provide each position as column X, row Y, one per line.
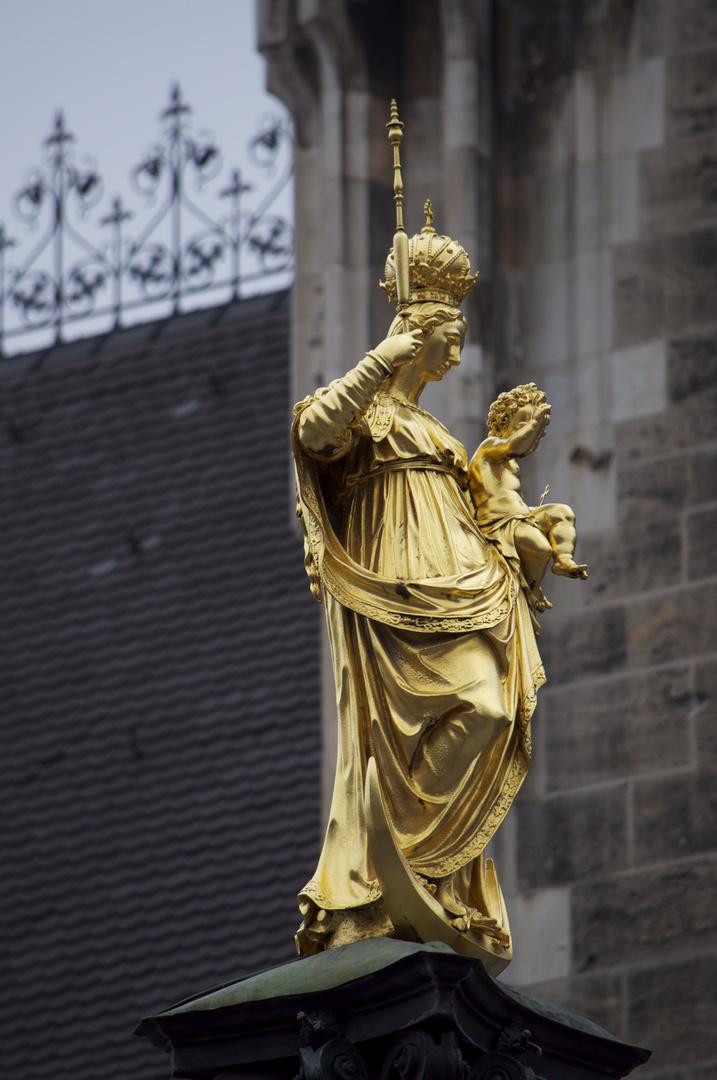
column 432, row 642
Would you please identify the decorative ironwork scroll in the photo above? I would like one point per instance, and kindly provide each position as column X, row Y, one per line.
column 181, row 250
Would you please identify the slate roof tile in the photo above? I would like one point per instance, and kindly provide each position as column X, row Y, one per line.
column 159, row 679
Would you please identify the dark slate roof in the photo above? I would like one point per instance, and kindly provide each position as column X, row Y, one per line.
column 159, row 683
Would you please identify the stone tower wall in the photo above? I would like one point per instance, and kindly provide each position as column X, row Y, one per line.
column 606, row 296
column 582, row 135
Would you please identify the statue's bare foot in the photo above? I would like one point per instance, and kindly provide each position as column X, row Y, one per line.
column 565, row 567
column 540, row 600
column 465, row 919
column 481, row 924
column 447, row 899
column 313, row 934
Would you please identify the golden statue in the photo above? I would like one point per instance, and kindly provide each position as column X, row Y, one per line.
column 430, row 572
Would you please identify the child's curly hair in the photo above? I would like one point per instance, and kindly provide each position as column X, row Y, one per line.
column 508, row 403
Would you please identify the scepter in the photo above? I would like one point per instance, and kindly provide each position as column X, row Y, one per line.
column 400, row 237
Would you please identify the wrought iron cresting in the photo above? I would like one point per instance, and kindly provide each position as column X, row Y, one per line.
column 180, row 251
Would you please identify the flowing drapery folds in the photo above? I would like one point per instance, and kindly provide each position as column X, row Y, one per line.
column 432, row 641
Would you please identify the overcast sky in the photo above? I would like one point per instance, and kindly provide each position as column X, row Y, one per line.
column 109, row 65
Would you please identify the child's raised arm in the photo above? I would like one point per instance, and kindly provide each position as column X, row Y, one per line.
column 520, row 442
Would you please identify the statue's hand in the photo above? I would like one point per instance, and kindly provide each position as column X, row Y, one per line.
column 542, row 415
column 401, row 348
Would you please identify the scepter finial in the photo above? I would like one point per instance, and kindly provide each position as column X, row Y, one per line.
column 400, row 239
column 428, row 267
column 395, row 137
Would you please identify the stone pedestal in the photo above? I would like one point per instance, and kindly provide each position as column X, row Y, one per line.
column 382, row 1009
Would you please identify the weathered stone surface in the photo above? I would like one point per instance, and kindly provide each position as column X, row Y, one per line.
column 551, row 216
column 599, row 997
column 692, row 94
column 707, row 1072
column 672, row 627
column 570, row 837
column 587, row 206
column 703, row 477
column 678, row 186
column 515, row 223
column 692, row 366
column 646, row 489
column 706, row 709
column 632, row 112
column 646, row 552
column 663, row 286
column 591, row 273
column 646, row 1073
column 672, row 1009
column 542, row 935
column 669, row 27
column 601, row 731
column 592, row 642
column 621, row 566
column 638, row 380
column 586, row 119
column 675, row 816
column 614, row 920
column 548, row 315
column 701, row 543
column 683, row 427
column 380, row 219
column 647, row 534
column 623, row 199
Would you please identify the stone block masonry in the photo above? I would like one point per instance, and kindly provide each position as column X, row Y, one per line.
column 621, row 813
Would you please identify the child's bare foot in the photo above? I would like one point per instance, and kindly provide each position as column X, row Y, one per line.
column 540, row 600
column 565, row 567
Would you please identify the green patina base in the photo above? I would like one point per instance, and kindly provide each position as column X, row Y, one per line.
column 371, row 1003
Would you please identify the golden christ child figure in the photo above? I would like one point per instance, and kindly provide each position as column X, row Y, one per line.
column 531, row 534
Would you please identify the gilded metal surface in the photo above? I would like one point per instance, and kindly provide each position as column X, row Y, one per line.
column 414, row 910
column 430, row 573
column 529, row 537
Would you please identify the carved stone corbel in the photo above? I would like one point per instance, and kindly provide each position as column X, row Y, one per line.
column 415, row 1055
column 502, row 1063
column 324, row 1052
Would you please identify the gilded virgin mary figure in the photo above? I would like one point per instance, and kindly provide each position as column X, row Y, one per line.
column 432, row 638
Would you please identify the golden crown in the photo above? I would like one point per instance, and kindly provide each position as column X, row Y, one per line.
column 438, row 268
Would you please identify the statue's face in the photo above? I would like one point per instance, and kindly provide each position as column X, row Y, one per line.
column 519, row 419
column 442, row 351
